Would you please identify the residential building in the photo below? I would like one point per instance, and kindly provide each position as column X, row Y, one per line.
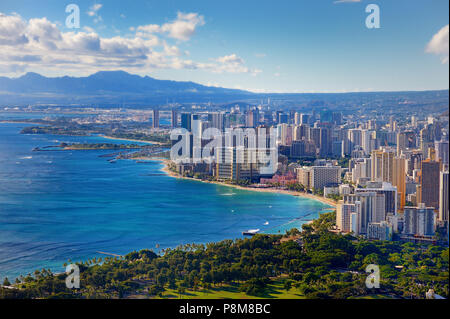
column 419, row 221
column 429, row 181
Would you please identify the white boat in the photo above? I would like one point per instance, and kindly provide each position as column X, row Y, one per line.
column 266, row 223
column 250, row 232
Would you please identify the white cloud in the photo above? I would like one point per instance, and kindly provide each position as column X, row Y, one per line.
column 439, row 44
column 39, row 45
column 12, row 30
column 182, row 28
column 93, row 12
column 230, row 59
column 233, row 64
column 88, row 29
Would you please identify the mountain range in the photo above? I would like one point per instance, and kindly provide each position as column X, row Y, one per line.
column 108, row 86
column 119, row 88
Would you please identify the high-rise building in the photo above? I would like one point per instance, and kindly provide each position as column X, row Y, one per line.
column 429, row 134
column 337, row 149
column 285, row 134
column 399, row 179
column 283, row 118
column 405, row 140
column 355, row 139
column 361, row 169
column 319, row 176
column 296, row 135
column 325, row 142
column 235, row 163
column 386, row 189
column 429, row 181
column 343, row 216
column 251, row 119
column 367, row 142
column 366, row 209
column 336, row 118
column 292, row 117
column 196, row 125
column 304, row 118
column 217, row 120
column 441, row 154
column 419, row 220
column 301, row 131
column 297, row 118
column 303, row 176
column 314, row 135
column 155, row 119
column 443, row 196
column 401, row 143
column 354, row 219
column 302, row 148
column 382, row 165
column 186, row 121
column 414, row 161
column 174, row 119
column 391, row 122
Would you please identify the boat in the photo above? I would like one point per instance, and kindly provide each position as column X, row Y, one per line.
column 266, row 223
column 250, row 232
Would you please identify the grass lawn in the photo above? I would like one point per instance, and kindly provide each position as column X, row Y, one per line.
column 275, row 290
column 375, row 296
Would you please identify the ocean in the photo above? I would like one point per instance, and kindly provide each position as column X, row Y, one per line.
column 58, row 206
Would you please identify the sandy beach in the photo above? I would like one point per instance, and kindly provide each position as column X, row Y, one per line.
column 166, row 170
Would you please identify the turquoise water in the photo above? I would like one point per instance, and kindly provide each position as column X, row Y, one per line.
column 61, row 205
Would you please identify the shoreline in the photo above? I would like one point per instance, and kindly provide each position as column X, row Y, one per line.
column 176, row 175
column 21, row 122
column 166, row 170
column 129, row 140
column 101, row 135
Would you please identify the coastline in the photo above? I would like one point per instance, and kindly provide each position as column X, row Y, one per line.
column 21, row 122
column 129, row 140
column 175, row 175
column 166, row 170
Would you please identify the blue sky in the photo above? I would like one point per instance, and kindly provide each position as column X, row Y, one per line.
column 263, row 46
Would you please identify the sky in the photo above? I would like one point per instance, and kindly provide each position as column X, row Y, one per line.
column 298, row 46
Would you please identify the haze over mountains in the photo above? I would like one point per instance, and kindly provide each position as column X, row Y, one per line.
column 119, row 88
column 107, row 85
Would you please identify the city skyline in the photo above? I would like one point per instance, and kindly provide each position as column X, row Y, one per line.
column 231, row 150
